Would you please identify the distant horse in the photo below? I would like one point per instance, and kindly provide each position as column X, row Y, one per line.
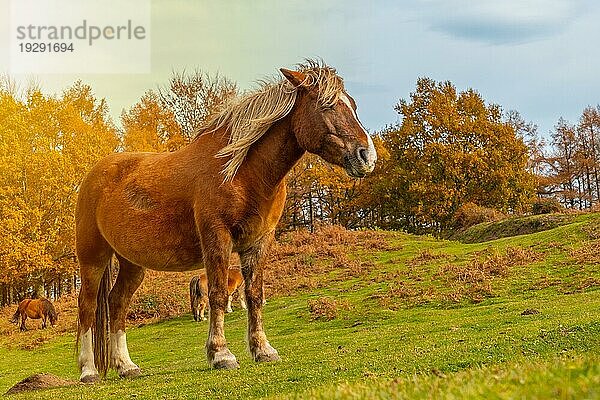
column 35, row 309
column 199, row 292
column 223, row 192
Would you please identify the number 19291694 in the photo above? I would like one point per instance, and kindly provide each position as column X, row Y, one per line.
column 45, row 47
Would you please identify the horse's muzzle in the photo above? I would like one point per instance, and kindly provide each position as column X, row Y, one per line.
column 361, row 162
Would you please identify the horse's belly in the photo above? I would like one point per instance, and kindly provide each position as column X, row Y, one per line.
column 161, row 241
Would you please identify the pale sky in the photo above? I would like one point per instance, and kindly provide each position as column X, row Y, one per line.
column 539, row 57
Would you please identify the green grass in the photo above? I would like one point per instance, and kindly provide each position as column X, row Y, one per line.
column 419, row 344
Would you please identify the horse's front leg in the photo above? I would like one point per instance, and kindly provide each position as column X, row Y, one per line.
column 216, row 249
column 252, row 268
column 23, row 327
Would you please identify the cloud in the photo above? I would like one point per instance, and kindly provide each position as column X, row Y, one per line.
column 500, row 22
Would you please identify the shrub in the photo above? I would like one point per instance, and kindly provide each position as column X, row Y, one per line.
column 470, row 214
column 546, row 206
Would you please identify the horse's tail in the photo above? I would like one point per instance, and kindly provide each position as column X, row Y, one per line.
column 100, row 330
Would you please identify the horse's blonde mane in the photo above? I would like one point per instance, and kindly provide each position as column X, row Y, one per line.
column 249, row 116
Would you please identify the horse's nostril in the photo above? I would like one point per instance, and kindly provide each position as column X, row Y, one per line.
column 362, row 155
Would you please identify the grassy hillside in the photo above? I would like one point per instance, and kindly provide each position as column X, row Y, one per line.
column 383, row 315
column 513, row 226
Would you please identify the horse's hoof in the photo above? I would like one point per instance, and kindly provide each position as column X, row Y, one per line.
column 224, row 359
column 93, row 378
column 268, row 354
column 131, row 373
column 229, row 310
column 226, row 364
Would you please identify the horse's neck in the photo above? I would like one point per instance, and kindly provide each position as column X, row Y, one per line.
column 273, row 156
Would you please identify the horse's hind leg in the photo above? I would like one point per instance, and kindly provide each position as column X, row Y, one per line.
column 252, row 264
column 93, row 254
column 129, row 279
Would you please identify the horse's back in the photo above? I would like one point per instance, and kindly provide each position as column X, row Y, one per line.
column 24, row 304
column 32, row 308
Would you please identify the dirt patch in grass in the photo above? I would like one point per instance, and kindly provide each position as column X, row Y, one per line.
column 39, row 381
column 326, row 308
column 592, row 230
column 425, row 257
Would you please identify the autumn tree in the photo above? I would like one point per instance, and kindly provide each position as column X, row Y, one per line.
column 150, row 126
column 47, row 145
column 573, row 160
column 169, row 119
column 451, row 148
column 321, row 193
column 191, row 98
column 588, row 142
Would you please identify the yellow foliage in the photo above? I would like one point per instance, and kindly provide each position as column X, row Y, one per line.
column 47, row 144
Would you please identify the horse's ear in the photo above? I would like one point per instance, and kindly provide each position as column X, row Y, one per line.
column 296, row 78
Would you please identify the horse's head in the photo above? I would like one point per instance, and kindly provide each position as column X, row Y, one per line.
column 53, row 316
column 325, row 121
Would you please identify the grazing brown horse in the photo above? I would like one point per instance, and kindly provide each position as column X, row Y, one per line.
column 199, row 292
column 223, row 192
column 35, row 309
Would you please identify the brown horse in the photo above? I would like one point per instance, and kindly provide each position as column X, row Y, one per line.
column 199, row 292
column 223, row 192
column 35, row 309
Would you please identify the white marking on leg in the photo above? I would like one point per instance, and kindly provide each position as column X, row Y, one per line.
column 86, row 356
column 120, row 354
column 229, row 299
